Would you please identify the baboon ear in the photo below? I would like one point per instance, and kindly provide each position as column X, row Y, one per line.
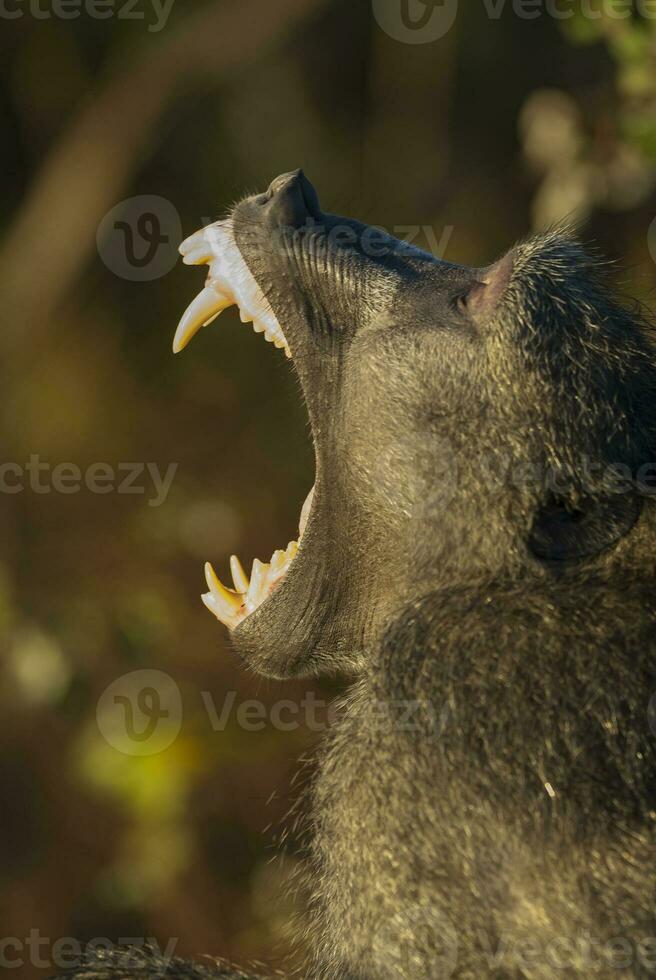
column 562, row 533
column 483, row 298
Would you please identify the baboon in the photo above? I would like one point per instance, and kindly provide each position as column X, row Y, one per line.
column 478, row 556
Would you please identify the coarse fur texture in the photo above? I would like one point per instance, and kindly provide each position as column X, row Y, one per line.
column 480, row 556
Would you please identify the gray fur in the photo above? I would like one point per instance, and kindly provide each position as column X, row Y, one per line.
column 469, row 556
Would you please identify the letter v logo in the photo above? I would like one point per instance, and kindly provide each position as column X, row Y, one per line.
column 416, row 21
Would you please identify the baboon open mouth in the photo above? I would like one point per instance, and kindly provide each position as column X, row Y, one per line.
column 231, row 283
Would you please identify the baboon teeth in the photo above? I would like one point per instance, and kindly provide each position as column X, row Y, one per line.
column 232, row 606
column 229, row 283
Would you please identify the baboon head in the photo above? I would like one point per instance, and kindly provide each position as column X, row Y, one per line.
column 468, row 423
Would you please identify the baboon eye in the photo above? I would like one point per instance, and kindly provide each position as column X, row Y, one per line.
column 461, row 303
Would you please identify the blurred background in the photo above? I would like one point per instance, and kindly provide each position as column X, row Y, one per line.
column 124, row 129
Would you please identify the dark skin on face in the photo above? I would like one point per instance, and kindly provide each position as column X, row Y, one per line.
column 480, row 557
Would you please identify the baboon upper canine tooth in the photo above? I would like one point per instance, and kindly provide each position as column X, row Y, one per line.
column 230, row 279
column 206, row 307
